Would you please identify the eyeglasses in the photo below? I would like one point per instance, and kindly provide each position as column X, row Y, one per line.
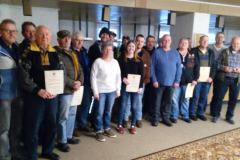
column 10, row 31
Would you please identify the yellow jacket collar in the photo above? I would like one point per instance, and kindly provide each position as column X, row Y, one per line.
column 34, row 47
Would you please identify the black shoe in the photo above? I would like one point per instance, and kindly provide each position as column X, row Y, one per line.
column 214, row 119
column 64, row 147
column 173, row 120
column 167, row 123
column 187, row 120
column 230, row 121
column 194, row 118
column 52, row 156
column 73, row 141
column 154, row 124
column 139, row 124
column 202, row 117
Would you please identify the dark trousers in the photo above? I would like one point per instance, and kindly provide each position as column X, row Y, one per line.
column 220, row 91
column 40, row 112
column 148, row 100
column 163, row 103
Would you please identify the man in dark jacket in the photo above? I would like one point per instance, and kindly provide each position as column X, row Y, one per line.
column 205, row 58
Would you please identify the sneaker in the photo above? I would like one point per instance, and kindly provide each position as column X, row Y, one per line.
column 133, row 130
column 154, row 124
column 120, row 129
column 63, row 147
column 214, row 119
column 187, row 120
column 100, row 137
column 139, row 124
column 110, row 133
column 202, row 117
column 173, row 120
column 52, row 156
column 73, row 140
column 194, row 118
column 76, row 132
column 167, row 123
column 125, row 124
column 230, row 121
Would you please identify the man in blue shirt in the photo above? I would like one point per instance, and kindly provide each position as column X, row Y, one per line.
column 166, row 74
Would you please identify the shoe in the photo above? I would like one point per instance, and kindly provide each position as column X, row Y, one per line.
column 125, row 124
column 73, row 141
column 214, row 119
column 100, row 137
column 120, row 129
column 194, row 118
column 76, row 132
column 187, row 120
column 173, row 120
column 133, row 130
column 167, row 123
column 139, row 124
column 63, row 147
column 202, row 117
column 154, row 124
column 230, row 121
column 52, row 156
column 110, row 133
column 86, row 129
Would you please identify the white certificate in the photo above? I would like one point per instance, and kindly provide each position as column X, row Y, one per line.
column 134, row 81
column 204, row 74
column 189, row 90
column 77, row 97
column 54, row 81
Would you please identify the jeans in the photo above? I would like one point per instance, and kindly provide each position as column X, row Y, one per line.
column 163, row 103
column 127, row 97
column 63, row 114
column 140, row 104
column 103, row 111
column 199, row 99
column 127, row 112
column 222, row 87
column 83, row 110
column 5, row 117
column 179, row 102
column 71, row 121
column 40, row 112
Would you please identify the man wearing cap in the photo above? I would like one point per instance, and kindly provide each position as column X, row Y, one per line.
column 94, row 51
column 112, row 37
column 42, row 105
column 73, row 81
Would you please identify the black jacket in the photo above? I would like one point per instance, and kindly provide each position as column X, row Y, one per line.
column 94, row 52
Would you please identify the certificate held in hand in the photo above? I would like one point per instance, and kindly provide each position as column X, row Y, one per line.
column 134, row 81
column 77, row 97
column 54, row 81
column 189, row 90
column 204, row 74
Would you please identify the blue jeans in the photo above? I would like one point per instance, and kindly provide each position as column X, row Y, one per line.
column 83, row 111
column 127, row 112
column 163, row 103
column 40, row 112
column 199, row 99
column 63, row 115
column 179, row 102
column 127, row 97
column 103, row 111
column 140, row 104
column 221, row 89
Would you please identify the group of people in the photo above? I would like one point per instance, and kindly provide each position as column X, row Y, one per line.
column 30, row 115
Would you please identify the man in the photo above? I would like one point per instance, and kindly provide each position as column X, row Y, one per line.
column 150, row 44
column 205, row 58
column 83, row 110
column 166, row 74
column 123, row 47
column 73, row 81
column 42, row 105
column 227, row 77
column 8, row 89
column 112, row 37
column 28, row 32
column 94, row 50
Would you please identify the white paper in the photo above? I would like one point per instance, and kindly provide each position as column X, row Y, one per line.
column 54, row 81
column 204, row 74
column 77, row 97
column 189, row 90
column 134, row 81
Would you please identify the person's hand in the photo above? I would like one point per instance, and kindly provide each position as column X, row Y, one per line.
column 155, row 85
column 194, row 83
column 125, row 81
column 140, row 90
column 209, row 80
column 76, row 85
column 227, row 69
column 96, row 96
column 175, row 85
column 118, row 94
column 236, row 70
column 45, row 94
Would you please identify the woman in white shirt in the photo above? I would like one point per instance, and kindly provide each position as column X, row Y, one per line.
column 106, row 85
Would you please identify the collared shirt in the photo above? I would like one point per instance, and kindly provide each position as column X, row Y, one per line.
column 233, row 61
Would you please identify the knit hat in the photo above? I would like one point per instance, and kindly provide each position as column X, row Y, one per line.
column 104, row 30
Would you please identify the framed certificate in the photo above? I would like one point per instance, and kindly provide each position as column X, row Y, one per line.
column 204, row 74
column 77, row 97
column 54, row 81
column 189, row 90
column 134, row 81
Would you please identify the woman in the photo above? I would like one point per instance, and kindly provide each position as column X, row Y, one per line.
column 190, row 74
column 106, row 85
column 130, row 64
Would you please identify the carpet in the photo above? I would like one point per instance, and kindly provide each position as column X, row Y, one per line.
column 223, row 146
